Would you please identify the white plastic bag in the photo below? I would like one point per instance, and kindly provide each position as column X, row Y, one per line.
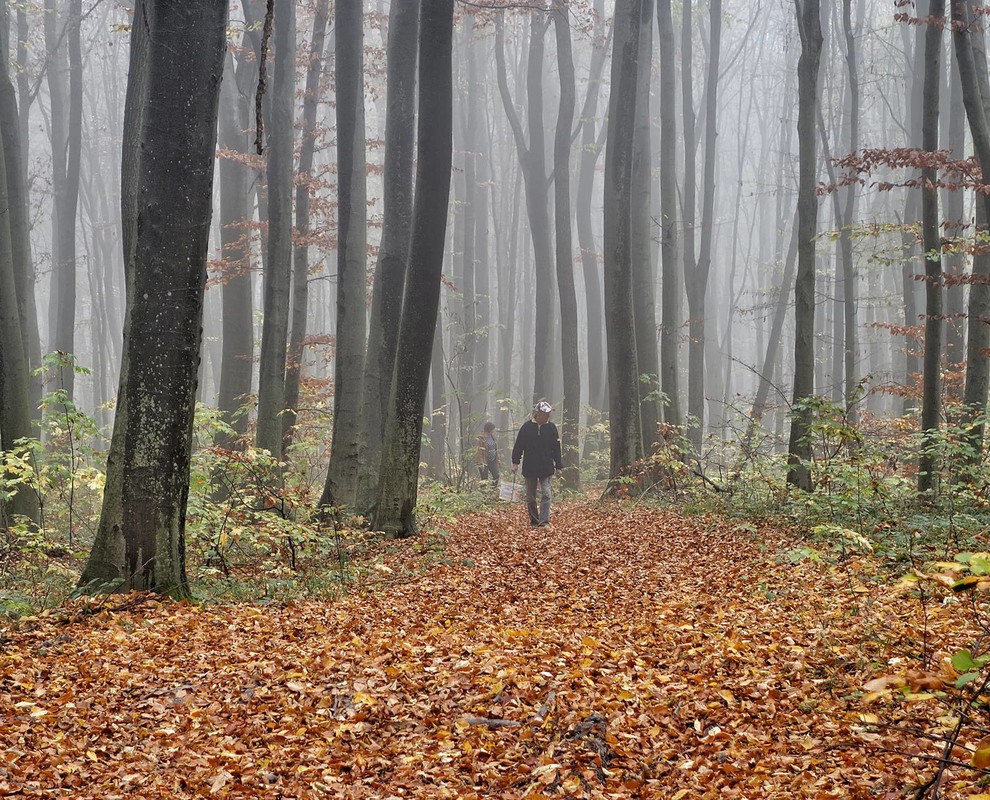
column 510, row 491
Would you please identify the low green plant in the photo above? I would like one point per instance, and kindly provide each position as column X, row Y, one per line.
column 40, row 558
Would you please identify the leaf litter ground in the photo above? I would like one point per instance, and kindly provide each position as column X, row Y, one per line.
column 621, row 654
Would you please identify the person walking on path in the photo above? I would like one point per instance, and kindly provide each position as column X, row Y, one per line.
column 538, row 447
column 487, row 460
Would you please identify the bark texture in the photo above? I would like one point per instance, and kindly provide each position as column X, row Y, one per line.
column 395, row 513
column 623, row 374
column 345, row 457
column 799, row 446
column 140, row 542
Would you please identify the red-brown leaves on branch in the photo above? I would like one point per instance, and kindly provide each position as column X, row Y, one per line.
column 954, row 173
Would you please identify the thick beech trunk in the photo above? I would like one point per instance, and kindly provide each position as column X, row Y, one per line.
column 644, row 277
column 140, row 542
column 623, row 372
column 395, row 513
column 390, row 271
column 352, row 216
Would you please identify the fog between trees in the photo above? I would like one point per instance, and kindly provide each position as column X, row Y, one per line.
column 623, row 231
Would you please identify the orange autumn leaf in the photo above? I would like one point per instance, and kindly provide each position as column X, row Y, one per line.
column 621, row 654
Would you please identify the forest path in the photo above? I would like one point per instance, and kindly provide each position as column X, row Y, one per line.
column 619, row 654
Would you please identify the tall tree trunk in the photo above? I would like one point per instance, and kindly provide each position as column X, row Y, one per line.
column 466, row 349
column 912, row 212
column 931, row 401
column 849, row 295
column 532, row 157
column 799, row 446
column 15, row 412
column 278, row 269
column 140, row 542
column 670, row 299
column 390, row 270
column 352, row 213
column 953, row 203
column 565, row 251
column 590, row 151
column 696, row 279
column 623, row 372
column 66, row 127
column 237, row 359
column 109, row 545
column 395, row 513
column 482, row 259
column 24, row 94
column 696, row 390
column 300, row 253
column 507, row 289
column 970, row 51
column 19, row 222
column 644, row 272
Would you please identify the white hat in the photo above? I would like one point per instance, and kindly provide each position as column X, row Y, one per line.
column 544, row 406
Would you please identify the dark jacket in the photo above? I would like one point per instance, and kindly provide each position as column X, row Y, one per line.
column 539, row 448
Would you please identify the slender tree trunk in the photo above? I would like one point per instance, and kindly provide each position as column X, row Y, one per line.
column 15, row 412
column 670, row 300
column 912, row 212
column 931, row 401
column 237, row 359
column 109, row 548
column 140, row 542
column 696, row 279
column 953, row 203
column 466, row 350
column 25, row 96
column 278, row 269
column 348, row 394
column 799, row 448
column 970, row 51
column 395, row 513
column 66, row 128
column 533, row 160
column 696, row 390
column 565, row 251
column 849, row 288
column 644, row 273
column 19, row 222
column 623, row 372
column 390, row 270
column 482, row 271
column 590, row 264
column 300, row 251
column 507, row 289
